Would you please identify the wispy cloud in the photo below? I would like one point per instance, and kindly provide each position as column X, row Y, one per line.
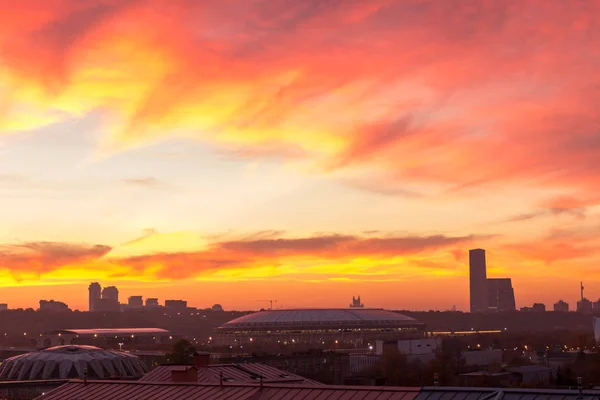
column 424, row 99
column 149, row 182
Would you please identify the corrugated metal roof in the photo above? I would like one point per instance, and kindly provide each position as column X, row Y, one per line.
column 234, row 373
column 449, row 393
column 121, row 390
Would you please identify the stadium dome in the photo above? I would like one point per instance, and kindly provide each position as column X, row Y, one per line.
column 65, row 362
column 352, row 325
column 320, row 318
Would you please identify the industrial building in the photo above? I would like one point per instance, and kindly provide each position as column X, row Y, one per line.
column 318, row 326
column 108, row 338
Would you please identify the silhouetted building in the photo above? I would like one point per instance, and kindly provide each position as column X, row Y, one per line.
column 176, row 304
column 324, row 366
column 152, row 302
column 537, row 307
column 110, row 293
column 135, row 302
column 3, row 307
column 584, row 306
column 356, row 303
column 561, row 306
column 109, row 300
column 501, row 296
column 217, row 308
column 596, row 306
column 318, row 326
column 107, row 305
column 54, row 306
column 94, row 295
column 478, row 281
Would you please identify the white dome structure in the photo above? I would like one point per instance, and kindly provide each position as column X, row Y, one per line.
column 66, row 362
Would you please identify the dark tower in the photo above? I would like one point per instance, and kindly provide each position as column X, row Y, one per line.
column 94, row 295
column 478, row 281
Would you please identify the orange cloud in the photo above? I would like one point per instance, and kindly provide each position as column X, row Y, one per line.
column 37, row 258
column 364, row 262
column 264, row 255
column 462, row 94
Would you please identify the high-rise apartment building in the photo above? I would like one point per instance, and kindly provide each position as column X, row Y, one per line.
column 94, row 295
column 584, row 306
column 152, row 302
column 561, row 306
column 501, row 295
column 478, row 281
column 110, row 293
column 135, row 302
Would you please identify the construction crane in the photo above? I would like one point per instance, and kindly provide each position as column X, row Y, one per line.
column 270, row 303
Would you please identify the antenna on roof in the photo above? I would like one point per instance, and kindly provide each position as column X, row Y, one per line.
column 221, row 378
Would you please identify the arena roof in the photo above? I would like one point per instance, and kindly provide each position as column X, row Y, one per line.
column 72, row 361
column 111, row 331
column 321, row 318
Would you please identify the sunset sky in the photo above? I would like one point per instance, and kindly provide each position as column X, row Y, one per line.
column 306, row 151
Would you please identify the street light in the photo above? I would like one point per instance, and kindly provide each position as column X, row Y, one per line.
column 120, row 346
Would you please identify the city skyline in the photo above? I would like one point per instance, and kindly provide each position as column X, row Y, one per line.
column 498, row 296
column 226, row 152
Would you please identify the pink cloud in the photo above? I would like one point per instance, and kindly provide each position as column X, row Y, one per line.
column 461, row 92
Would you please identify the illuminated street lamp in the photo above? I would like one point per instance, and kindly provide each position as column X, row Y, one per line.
column 121, row 346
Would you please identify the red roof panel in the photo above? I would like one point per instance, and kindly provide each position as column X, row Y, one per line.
column 232, row 373
column 136, row 390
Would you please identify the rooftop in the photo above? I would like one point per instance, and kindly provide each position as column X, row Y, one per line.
column 127, row 390
column 470, row 393
column 64, row 362
column 110, row 331
column 238, row 373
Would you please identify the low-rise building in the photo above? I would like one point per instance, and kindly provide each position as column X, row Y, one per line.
column 128, row 338
column 328, row 367
column 53, row 306
column 178, row 305
column 203, row 371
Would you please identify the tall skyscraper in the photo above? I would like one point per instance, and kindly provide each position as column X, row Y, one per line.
column 94, row 295
column 478, row 281
column 501, row 295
